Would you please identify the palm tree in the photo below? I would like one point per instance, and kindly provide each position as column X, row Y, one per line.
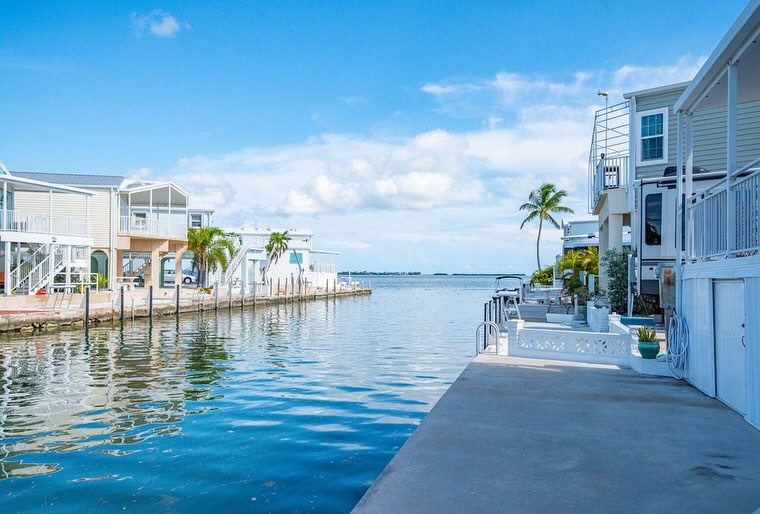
column 541, row 203
column 276, row 248
column 212, row 247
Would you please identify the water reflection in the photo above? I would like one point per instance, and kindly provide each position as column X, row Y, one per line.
column 205, row 411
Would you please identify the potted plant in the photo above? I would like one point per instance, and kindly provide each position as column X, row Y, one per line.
column 648, row 345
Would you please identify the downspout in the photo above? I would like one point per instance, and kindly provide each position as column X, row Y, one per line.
column 679, row 212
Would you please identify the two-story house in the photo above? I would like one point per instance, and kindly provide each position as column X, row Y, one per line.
column 134, row 223
column 45, row 248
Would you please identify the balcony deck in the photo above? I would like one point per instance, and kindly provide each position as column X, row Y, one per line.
column 152, row 228
column 37, row 223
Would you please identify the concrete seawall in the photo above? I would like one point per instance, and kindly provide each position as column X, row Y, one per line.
column 26, row 319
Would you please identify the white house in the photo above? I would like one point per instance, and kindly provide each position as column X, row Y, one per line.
column 135, row 223
column 47, row 248
column 317, row 268
column 718, row 286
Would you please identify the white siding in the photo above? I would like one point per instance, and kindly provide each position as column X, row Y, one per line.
column 752, row 338
column 71, row 205
column 698, row 311
column 709, row 134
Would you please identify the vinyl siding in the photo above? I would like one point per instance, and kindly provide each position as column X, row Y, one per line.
column 709, row 134
column 71, row 205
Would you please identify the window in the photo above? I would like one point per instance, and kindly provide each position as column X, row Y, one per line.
column 196, row 221
column 653, row 219
column 296, row 258
column 653, row 137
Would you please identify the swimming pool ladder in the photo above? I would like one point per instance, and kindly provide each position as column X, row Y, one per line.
column 488, row 327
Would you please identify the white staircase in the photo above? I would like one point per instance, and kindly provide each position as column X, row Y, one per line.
column 136, row 265
column 240, row 252
column 37, row 271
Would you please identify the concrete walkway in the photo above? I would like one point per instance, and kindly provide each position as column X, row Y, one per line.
column 528, row 435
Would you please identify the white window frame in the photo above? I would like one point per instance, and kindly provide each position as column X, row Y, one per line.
column 665, row 112
column 200, row 220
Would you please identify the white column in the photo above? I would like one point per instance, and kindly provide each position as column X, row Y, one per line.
column 689, row 180
column 615, row 231
column 170, row 210
column 5, row 206
column 679, row 209
column 731, row 118
column 67, row 254
column 7, row 268
column 87, row 213
column 50, row 211
column 150, row 211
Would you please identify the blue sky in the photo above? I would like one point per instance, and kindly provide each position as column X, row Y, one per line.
column 405, row 134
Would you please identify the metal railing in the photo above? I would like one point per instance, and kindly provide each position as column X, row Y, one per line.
column 133, row 225
column 489, row 327
column 24, row 221
column 608, row 155
column 708, row 217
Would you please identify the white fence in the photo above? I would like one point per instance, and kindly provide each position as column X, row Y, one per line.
column 23, row 221
column 720, row 230
column 150, row 227
column 569, row 345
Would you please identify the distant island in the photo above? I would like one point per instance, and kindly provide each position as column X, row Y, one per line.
column 361, row 273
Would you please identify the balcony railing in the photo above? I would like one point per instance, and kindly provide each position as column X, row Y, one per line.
column 610, row 173
column 136, row 226
column 23, row 221
column 720, row 231
column 608, row 156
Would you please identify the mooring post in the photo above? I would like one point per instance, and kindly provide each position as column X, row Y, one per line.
column 255, row 288
column 327, row 287
column 335, row 288
column 121, row 307
column 86, row 308
column 176, row 300
column 485, row 318
column 242, row 296
column 216, row 297
column 133, row 311
column 150, row 302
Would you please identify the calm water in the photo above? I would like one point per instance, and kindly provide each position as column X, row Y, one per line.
column 289, row 408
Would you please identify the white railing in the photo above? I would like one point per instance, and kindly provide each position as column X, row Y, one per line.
column 29, row 266
column 135, row 226
column 608, row 156
column 708, row 218
column 247, row 243
column 590, row 347
column 23, row 221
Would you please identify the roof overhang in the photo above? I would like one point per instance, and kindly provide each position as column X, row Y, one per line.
column 26, row 184
column 147, row 186
column 656, row 90
column 739, row 46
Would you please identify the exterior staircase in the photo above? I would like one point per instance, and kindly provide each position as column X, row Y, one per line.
column 37, row 271
column 247, row 242
column 136, row 265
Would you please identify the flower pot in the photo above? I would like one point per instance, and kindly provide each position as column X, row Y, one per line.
column 649, row 349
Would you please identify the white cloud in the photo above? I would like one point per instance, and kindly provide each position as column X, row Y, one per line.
column 436, row 199
column 157, row 23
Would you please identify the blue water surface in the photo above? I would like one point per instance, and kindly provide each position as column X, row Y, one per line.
column 289, row 408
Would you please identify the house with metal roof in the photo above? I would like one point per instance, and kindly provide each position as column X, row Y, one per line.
column 45, row 248
column 136, row 224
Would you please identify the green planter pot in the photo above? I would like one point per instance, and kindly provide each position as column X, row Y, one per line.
column 649, row 350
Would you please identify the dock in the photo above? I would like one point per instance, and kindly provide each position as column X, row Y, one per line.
column 529, row 435
column 115, row 307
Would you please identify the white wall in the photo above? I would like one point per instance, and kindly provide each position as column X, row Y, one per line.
column 699, row 314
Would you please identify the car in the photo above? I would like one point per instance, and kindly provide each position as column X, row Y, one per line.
column 187, row 277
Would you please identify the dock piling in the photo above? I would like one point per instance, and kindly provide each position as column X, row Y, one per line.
column 176, row 300
column 150, row 303
column 86, row 308
column 121, row 305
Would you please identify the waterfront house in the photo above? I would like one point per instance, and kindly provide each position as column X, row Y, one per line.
column 317, row 268
column 632, row 174
column 135, row 224
column 718, row 288
column 45, row 247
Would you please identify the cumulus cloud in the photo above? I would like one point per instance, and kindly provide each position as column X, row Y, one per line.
column 422, row 200
column 157, row 23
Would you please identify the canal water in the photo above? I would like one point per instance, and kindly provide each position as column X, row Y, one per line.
column 289, row 408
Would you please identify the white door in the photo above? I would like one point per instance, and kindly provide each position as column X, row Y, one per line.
column 730, row 353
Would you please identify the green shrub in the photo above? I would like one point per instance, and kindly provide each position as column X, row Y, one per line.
column 543, row 277
column 646, row 335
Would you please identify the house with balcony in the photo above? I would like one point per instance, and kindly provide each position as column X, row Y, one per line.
column 134, row 223
column 43, row 247
column 316, row 268
column 718, row 278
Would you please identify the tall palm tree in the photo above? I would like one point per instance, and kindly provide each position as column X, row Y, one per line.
column 541, row 203
column 276, row 248
column 212, row 247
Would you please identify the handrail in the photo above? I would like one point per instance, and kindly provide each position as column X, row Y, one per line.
column 489, row 324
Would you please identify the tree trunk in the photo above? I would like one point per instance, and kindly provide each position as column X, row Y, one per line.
column 538, row 242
